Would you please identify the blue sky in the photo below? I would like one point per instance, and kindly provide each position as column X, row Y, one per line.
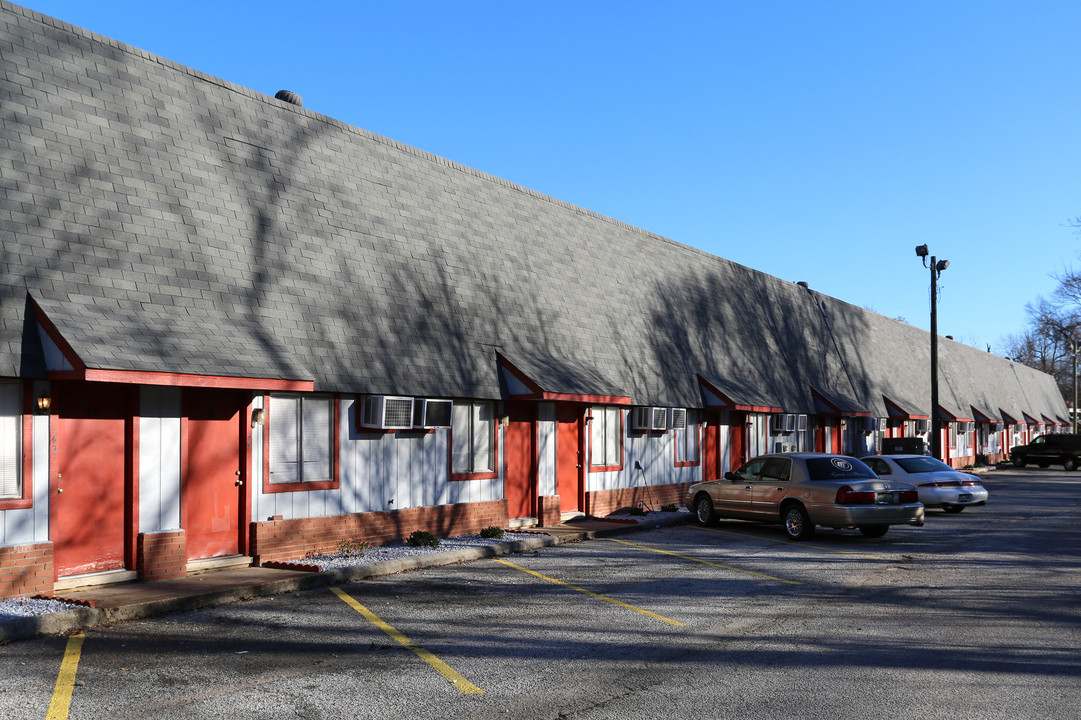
column 815, row 141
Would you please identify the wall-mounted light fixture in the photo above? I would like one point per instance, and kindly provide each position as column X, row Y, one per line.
column 44, row 402
column 258, row 416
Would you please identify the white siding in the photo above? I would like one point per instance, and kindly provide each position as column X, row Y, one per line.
column 159, row 459
column 546, row 449
column 378, row 471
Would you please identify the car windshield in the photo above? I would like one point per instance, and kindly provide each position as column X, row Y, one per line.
column 921, row 464
column 838, row 468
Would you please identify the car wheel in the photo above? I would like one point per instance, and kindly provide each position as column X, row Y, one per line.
column 953, row 508
column 703, row 510
column 1070, row 464
column 874, row 530
column 1018, row 461
column 797, row 525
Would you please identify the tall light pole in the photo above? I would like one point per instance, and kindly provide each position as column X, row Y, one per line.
column 936, row 266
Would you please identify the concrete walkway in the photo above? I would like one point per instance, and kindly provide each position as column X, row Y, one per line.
column 132, row 601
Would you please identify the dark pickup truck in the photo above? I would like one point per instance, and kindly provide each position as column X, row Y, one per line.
column 1046, row 450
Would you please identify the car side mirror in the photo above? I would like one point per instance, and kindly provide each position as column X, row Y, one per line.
column 731, row 476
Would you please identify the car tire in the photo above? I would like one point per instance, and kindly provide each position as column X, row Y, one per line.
column 797, row 524
column 703, row 510
column 1018, row 461
column 874, row 531
column 1070, row 464
column 953, row 508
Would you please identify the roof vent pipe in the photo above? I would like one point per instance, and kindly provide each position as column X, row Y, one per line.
column 290, row 97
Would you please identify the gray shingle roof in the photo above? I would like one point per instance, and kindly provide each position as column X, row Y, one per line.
column 165, row 220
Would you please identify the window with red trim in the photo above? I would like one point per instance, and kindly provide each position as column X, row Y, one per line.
column 605, row 438
column 688, row 451
column 473, row 439
column 300, row 439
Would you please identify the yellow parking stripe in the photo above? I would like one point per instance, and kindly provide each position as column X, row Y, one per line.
column 592, row 594
column 788, row 542
column 65, row 681
column 441, row 667
column 704, row 562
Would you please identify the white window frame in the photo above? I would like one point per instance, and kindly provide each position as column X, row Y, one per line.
column 11, row 441
column 473, row 437
column 606, row 437
column 688, row 440
column 301, row 438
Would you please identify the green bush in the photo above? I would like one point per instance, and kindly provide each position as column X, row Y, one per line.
column 637, row 511
column 352, row 548
column 422, row 538
column 492, row 532
column 670, row 507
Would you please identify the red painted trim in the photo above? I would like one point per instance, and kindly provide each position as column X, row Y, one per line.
column 333, row 484
column 27, row 500
column 522, row 377
column 487, row 474
column 246, row 470
column 131, row 512
column 54, row 334
column 139, row 377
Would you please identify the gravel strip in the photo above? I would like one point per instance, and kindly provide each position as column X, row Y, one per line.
column 28, row 607
column 330, row 561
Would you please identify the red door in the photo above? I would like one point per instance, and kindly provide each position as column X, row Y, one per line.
column 520, row 454
column 89, row 476
column 711, row 450
column 569, row 457
column 212, row 477
column 737, row 439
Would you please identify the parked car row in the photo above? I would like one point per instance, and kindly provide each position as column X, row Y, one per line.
column 802, row 490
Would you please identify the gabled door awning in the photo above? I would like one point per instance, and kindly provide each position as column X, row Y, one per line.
column 557, row 380
column 905, row 410
column 828, row 402
column 732, row 395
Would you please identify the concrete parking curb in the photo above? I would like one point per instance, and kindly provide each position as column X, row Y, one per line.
column 228, row 586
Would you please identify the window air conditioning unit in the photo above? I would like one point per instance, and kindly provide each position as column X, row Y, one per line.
column 783, row 423
column 431, row 413
column 386, row 412
column 923, row 426
column 649, row 418
column 996, row 427
column 677, row 418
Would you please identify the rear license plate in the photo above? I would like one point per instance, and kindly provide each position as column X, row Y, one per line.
column 964, row 497
column 886, row 498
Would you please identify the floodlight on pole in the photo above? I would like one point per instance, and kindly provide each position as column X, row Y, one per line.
column 936, row 266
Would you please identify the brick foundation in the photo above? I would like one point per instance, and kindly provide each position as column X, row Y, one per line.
column 548, row 513
column 162, row 555
column 26, row 570
column 602, row 502
column 274, row 540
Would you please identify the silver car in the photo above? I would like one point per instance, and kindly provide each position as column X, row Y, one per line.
column 801, row 490
column 938, row 484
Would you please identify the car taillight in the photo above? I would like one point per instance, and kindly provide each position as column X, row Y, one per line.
column 971, row 483
column 908, row 496
column 948, row 483
column 847, row 496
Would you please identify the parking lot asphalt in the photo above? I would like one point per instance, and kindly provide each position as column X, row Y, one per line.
column 131, row 601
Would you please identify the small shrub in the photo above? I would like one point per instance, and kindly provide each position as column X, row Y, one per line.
column 422, row 538
column 352, row 548
column 637, row 511
column 670, row 507
column 492, row 532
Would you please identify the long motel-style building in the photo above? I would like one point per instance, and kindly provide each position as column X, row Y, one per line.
column 235, row 331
